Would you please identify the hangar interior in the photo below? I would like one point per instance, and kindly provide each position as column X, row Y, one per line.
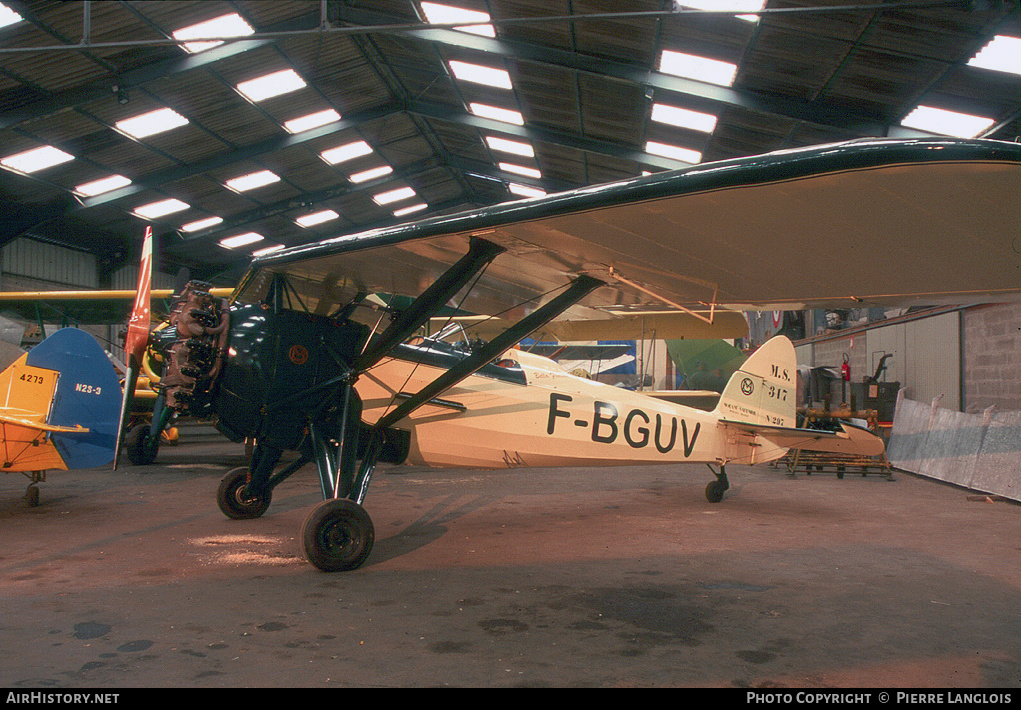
column 235, row 126
column 299, row 121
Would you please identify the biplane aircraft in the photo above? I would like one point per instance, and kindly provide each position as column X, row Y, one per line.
column 59, row 410
column 308, row 356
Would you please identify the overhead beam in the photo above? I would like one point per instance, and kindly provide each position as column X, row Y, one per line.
column 700, row 94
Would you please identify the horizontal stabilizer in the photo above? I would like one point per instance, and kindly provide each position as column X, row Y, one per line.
column 850, row 440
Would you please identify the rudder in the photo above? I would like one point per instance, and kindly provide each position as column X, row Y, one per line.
column 764, row 389
column 88, row 393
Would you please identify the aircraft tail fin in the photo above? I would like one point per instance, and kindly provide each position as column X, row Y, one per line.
column 764, row 389
column 137, row 338
column 65, row 386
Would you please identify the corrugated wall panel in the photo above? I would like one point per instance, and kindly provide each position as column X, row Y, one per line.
column 926, row 357
column 47, row 262
column 126, row 277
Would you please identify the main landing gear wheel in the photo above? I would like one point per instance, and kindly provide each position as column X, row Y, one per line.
column 338, row 535
column 140, row 453
column 232, row 501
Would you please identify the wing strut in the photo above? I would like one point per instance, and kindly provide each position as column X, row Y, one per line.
column 578, row 289
column 480, row 254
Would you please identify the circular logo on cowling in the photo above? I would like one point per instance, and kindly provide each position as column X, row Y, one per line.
column 746, row 386
column 298, row 354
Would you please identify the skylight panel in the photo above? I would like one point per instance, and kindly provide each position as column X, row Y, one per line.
column 155, row 210
column 8, row 16
column 446, row 15
column 312, row 120
column 683, row 118
column 674, row 152
column 270, row 85
column 692, row 66
column 149, row 124
column 252, row 180
column 372, row 174
column 346, row 152
column 497, row 114
column 201, row 224
column 520, row 170
column 1003, row 53
column 727, row 6
column 508, row 146
column 98, row 187
column 410, row 209
column 401, row 193
column 241, row 240
column 525, row 190
column 225, row 26
column 309, row 220
column 32, row 161
column 479, row 74
column 947, row 123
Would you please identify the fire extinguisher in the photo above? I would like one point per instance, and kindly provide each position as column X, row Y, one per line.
column 845, row 369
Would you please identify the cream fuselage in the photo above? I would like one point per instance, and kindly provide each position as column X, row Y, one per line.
column 540, row 415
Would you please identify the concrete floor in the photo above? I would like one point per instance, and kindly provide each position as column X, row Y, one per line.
column 620, row 577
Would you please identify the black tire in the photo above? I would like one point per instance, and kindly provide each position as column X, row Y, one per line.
column 233, row 503
column 140, row 453
column 714, row 491
column 338, row 535
column 32, row 496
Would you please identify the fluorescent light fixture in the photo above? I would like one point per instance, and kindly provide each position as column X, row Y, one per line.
column 308, row 220
column 727, row 6
column 1003, row 53
column 32, row 161
column 201, row 224
column 497, row 114
column 446, row 15
column 674, row 152
column 155, row 210
column 241, row 240
column 312, row 120
column 481, row 75
column 225, row 26
column 401, row 193
column 149, row 124
column 346, row 152
column 8, row 16
column 683, row 118
column 520, row 170
column 270, row 85
column 505, row 146
column 371, row 174
column 98, row 187
column 525, row 190
column 268, row 250
column 410, row 209
column 947, row 123
column 691, row 66
column 252, row 180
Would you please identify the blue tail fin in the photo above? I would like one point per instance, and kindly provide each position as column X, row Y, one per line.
column 88, row 393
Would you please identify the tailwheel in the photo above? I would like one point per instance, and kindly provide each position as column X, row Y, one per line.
column 234, row 502
column 32, row 496
column 338, row 535
column 715, row 490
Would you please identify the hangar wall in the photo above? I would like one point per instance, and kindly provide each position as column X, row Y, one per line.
column 31, row 265
column 968, row 357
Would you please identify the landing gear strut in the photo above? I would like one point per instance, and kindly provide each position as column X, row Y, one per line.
column 715, row 490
